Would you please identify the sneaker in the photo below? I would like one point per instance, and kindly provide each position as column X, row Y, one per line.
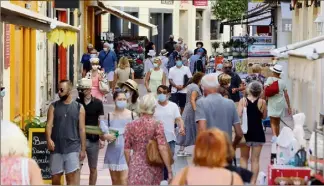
column 181, row 153
column 187, row 153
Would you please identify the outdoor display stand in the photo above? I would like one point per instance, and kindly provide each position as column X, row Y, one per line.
column 287, row 171
column 40, row 153
column 319, row 172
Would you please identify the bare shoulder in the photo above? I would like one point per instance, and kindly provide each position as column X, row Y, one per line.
column 33, row 166
column 237, row 180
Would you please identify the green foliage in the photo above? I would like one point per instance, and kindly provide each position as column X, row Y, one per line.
column 215, row 45
column 229, row 9
column 33, row 122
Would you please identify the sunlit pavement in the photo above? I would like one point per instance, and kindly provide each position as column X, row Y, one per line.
column 180, row 162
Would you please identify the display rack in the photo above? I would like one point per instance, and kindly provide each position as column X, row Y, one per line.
column 319, row 130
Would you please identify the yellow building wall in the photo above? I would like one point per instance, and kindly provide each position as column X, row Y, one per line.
column 88, row 25
column 22, row 69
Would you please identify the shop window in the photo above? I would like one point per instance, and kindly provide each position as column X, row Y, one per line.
column 199, row 25
column 213, row 29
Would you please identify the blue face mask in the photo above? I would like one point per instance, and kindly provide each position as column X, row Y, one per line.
column 2, row 93
column 179, row 63
column 161, row 97
column 121, row 104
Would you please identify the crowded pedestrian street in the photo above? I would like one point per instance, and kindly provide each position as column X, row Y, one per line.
column 190, row 92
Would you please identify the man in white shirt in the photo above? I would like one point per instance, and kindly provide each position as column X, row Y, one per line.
column 168, row 113
column 177, row 76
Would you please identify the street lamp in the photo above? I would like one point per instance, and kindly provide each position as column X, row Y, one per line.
column 319, row 21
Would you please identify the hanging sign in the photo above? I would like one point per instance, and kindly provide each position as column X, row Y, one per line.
column 200, row 2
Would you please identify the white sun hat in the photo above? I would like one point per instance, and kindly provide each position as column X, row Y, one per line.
column 276, row 69
column 85, row 83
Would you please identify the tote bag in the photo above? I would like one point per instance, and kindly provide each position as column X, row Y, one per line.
column 244, row 119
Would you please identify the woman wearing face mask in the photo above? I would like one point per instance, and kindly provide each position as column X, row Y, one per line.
column 117, row 121
column 188, row 116
column 96, row 75
column 131, row 89
column 155, row 77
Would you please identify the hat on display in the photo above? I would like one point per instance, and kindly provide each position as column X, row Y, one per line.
column 163, row 52
column 151, row 53
column 276, row 69
column 84, row 83
column 131, row 84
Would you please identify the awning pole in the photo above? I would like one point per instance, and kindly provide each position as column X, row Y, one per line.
column 1, row 65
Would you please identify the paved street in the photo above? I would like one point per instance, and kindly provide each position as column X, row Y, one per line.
column 180, row 162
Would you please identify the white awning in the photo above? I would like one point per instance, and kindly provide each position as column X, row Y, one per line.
column 128, row 17
column 18, row 15
column 261, row 20
column 303, row 49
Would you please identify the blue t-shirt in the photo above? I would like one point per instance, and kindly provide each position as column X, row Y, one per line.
column 107, row 61
column 85, row 60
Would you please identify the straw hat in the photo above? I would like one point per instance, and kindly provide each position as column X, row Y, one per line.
column 163, row 52
column 277, row 69
column 94, row 60
column 84, row 83
column 131, row 84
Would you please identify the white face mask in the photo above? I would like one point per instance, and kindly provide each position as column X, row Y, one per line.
column 105, row 49
column 95, row 67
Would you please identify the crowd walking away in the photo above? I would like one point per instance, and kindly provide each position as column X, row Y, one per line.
column 183, row 105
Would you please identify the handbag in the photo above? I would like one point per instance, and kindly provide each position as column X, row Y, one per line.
column 244, row 120
column 104, row 86
column 153, row 154
column 271, row 89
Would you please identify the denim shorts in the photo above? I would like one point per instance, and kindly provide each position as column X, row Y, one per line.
column 64, row 163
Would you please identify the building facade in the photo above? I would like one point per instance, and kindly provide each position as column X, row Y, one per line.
column 190, row 19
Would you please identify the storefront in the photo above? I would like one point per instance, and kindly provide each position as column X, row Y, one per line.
column 21, row 25
column 306, row 71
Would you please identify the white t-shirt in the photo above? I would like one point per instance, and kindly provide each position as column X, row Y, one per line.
column 177, row 75
column 167, row 115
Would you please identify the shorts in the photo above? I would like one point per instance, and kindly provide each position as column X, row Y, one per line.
column 253, row 144
column 110, row 76
column 179, row 99
column 92, row 150
column 64, row 163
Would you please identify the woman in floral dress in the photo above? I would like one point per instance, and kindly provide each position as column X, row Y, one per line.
column 137, row 135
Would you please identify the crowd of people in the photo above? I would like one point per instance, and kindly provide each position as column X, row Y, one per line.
column 183, row 106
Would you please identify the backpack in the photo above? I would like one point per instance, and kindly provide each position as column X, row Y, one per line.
column 199, row 67
column 271, row 89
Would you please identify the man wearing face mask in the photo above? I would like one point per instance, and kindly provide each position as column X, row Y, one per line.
column 93, row 109
column 179, row 76
column 168, row 113
column 85, row 60
column 108, row 61
column 65, row 136
column 236, row 82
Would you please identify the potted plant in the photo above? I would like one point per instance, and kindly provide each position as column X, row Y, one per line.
column 236, row 47
column 215, row 46
column 244, row 51
column 33, row 122
column 225, row 47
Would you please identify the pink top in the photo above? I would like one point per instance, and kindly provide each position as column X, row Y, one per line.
column 14, row 171
column 95, row 81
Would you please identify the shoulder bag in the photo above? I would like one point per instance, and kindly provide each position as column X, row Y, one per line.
column 272, row 89
column 104, row 86
column 152, row 151
column 244, row 117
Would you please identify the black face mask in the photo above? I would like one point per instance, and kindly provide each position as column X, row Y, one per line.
column 63, row 98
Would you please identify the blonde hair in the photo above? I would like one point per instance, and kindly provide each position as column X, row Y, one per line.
column 256, row 68
column 147, row 104
column 123, row 63
column 13, row 140
column 224, row 79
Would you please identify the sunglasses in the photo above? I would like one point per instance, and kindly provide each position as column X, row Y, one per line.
column 61, row 90
column 227, row 67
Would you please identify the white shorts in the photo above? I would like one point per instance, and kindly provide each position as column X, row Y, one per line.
column 110, row 76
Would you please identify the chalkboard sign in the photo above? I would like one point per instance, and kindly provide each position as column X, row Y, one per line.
column 40, row 153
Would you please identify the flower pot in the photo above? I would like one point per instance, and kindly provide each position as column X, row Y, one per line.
column 243, row 54
column 235, row 54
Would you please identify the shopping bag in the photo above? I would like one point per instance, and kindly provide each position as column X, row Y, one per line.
column 103, row 87
column 244, row 121
column 271, row 89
